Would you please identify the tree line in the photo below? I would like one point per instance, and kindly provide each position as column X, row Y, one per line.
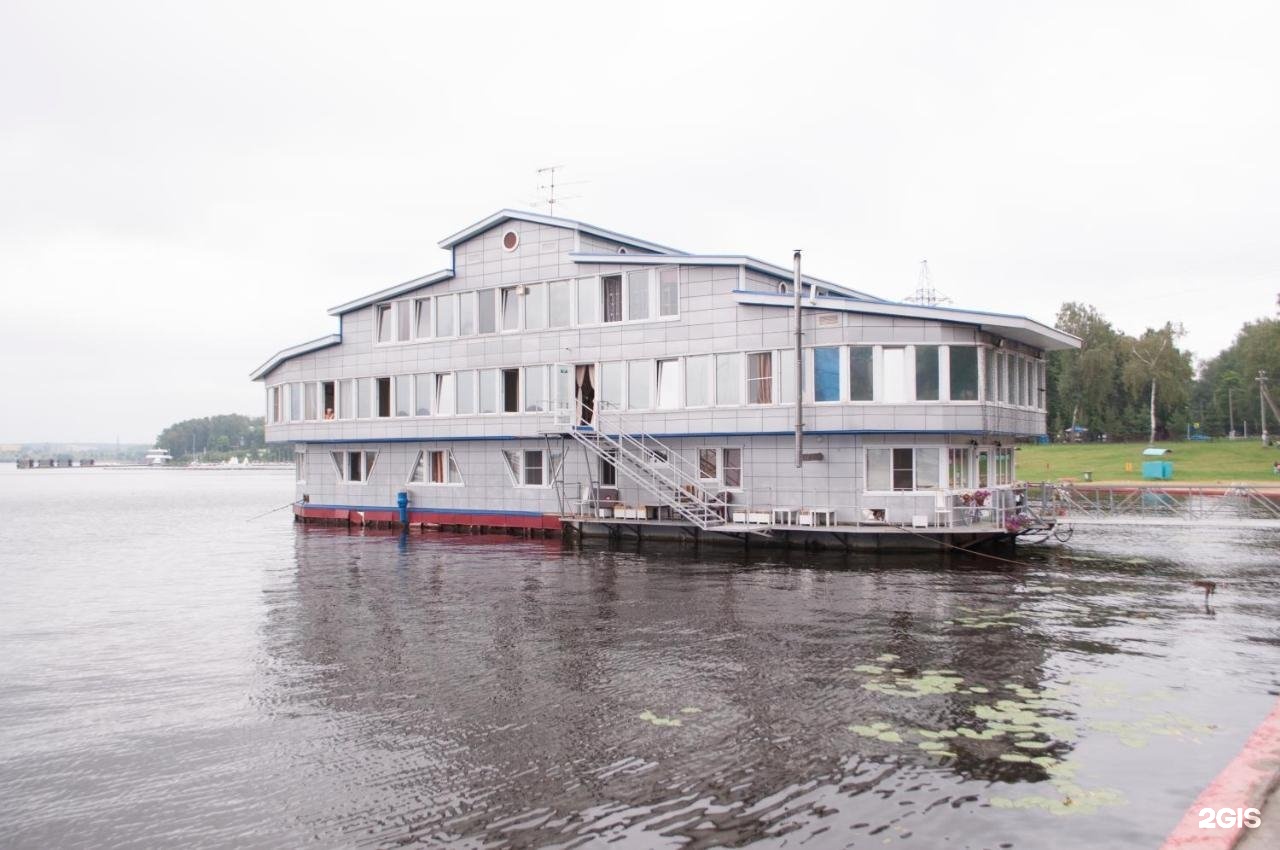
column 1147, row 387
column 220, row 437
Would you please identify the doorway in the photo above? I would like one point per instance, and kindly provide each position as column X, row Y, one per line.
column 584, row 393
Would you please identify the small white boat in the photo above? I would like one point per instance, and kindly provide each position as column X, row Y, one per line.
column 157, row 457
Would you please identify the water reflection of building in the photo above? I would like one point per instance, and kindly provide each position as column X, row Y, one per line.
column 466, row 687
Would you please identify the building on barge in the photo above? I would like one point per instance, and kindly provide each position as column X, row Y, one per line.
column 562, row 376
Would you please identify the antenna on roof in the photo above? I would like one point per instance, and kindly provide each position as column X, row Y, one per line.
column 925, row 295
column 549, row 187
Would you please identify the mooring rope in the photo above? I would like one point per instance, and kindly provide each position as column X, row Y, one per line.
column 960, row 548
column 273, row 510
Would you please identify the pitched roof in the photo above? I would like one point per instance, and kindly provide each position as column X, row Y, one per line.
column 293, row 351
column 538, row 218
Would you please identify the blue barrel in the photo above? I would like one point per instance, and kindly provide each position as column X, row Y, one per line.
column 402, row 502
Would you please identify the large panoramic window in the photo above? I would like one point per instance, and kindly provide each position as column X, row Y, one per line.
column 404, row 321
column 669, row 292
column 611, row 386
column 588, row 301
column 927, row 373
column 958, row 474
column 639, row 378
column 537, row 396
column 487, row 311
column 611, row 296
column 295, row 402
column 274, row 404
column 346, row 399
column 489, row 391
column 668, row 384
column 382, row 322
column 760, row 378
column 560, row 304
column 728, row 379
column 535, row 307
column 510, row 308
column 455, row 393
column 309, row 411
column 992, row 375
column 364, row 398
column 895, row 375
column 435, row 467
column 826, row 374
column 964, row 372
column 861, row 373
column 697, row 385
column 467, row 314
column 445, row 306
column 423, row 391
column 404, row 395
column 638, row 294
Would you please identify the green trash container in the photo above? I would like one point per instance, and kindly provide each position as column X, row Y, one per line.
column 1161, row 470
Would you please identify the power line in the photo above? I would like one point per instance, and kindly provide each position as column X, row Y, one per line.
column 925, row 295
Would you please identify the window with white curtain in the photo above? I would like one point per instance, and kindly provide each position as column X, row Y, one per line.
column 728, row 379
column 588, row 300
column 638, row 294
column 895, row 375
column 456, row 393
column 560, row 304
column 697, row 385
column 486, row 311
column 423, row 390
column 445, row 307
column 489, row 391
column 536, row 394
column 535, row 307
column 760, row 377
column 639, row 379
column 611, row 386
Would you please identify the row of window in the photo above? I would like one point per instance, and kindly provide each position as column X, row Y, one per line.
column 888, row 468
column 635, row 296
column 850, row 373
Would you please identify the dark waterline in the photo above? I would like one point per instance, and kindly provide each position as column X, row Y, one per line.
column 175, row 675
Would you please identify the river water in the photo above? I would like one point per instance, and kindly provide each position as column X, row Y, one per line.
column 175, row 674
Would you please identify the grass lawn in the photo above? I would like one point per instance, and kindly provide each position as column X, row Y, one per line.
column 1220, row 461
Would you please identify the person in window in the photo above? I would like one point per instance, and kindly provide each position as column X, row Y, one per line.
column 328, row 413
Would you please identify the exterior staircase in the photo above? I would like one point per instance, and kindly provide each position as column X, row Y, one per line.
column 660, row 471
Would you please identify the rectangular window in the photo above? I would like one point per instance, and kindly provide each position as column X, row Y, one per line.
column 435, row 467
column 861, row 373
column 382, row 387
column 826, row 374
column 1024, row 380
column 611, row 295
column 423, row 390
column 903, row 469
column 1015, row 379
column 467, row 314
column 354, row 467
column 364, row 398
column 535, row 307
column 958, row 468
column 346, row 399
column 983, row 469
column 697, row 386
column 588, row 301
column 878, row 469
column 760, row 377
column 732, row 467
column 382, row 322
column 639, row 377
column 404, row 394
column 668, row 384
column 329, row 399
column 533, row 468
column 404, row 321
column 537, row 398
column 309, row 411
column 510, row 309
column 1042, row 395
column 299, row 466
column 928, row 474
column 992, row 375
column 487, row 310
column 488, row 391
column 669, row 292
column 445, row 306
column 638, row 294
column 787, row 377
column 895, row 375
column 927, row 373
column 708, row 465
column 728, row 379
column 964, row 372
column 295, row 402
column 277, row 409
column 611, row 385
column 423, row 324
column 448, row 401
column 510, row 390
column 560, row 303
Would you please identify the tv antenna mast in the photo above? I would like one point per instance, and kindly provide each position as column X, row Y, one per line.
column 548, row 174
column 925, row 295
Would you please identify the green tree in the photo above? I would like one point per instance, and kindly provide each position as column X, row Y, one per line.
column 1159, row 368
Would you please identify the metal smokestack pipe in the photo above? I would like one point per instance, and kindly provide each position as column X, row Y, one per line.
column 796, row 285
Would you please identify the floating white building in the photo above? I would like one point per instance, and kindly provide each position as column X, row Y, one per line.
column 559, row 375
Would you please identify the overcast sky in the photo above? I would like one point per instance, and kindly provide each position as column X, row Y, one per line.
column 185, row 188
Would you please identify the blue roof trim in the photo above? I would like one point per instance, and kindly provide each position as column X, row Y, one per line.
column 552, row 221
column 671, row 435
column 294, row 351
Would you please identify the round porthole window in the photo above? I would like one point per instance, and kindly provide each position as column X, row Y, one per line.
column 510, row 240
